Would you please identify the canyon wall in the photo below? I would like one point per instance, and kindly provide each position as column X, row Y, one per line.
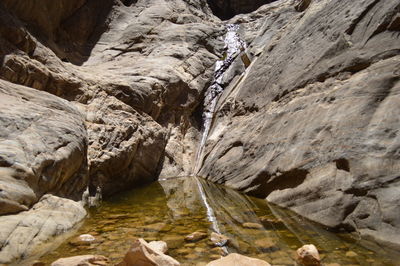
column 313, row 123
column 111, row 93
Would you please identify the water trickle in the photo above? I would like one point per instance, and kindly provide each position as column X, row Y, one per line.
column 234, row 45
column 210, row 211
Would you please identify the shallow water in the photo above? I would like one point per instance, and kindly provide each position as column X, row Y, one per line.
column 170, row 210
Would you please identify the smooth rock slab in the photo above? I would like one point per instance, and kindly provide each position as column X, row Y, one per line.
column 84, row 260
column 20, row 234
column 235, row 259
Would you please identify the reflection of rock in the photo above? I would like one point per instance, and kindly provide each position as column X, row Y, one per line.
column 196, row 236
column 308, row 255
column 141, row 254
column 84, row 260
column 237, row 259
column 219, row 240
column 21, row 233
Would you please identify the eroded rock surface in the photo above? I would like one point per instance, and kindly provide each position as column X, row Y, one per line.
column 312, row 124
column 21, row 234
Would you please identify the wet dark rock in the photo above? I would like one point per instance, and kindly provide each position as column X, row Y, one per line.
column 226, row 9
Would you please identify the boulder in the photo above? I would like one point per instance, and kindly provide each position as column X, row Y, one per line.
column 84, row 260
column 235, row 259
column 142, row 254
column 308, row 255
column 21, row 234
column 159, row 246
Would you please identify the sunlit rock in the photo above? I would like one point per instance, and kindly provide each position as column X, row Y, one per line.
column 141, row 254
column 237, row 259
column 308, row 255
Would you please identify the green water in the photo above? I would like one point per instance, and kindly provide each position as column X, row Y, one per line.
column 170, row 210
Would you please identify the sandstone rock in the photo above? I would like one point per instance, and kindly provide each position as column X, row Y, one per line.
column 159, row 246
column 308, row 255
column 304, row 127
column 252, row 225
column 196, row 236
column 42, row 147
column 21, row 233
column 219, row 240
column 237, row 259
column 142, row 254
column 84, row 260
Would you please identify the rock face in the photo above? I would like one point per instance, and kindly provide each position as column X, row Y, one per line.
column 22, row 234
column 43, row 144
column 110, row 94
column 100, row 94
column 312, row 124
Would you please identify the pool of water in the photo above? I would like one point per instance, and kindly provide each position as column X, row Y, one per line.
column 169, row 210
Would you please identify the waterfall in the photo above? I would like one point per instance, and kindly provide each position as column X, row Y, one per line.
column 234, row 45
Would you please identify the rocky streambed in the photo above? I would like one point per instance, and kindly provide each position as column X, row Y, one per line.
column 173, row 211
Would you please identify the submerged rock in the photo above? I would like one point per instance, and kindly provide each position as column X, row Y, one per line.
column 219, row 240
column 84, row 260
column 237, row 259
column 196, row 236
column 253, row 225
column 308, row 255
column 142, row 254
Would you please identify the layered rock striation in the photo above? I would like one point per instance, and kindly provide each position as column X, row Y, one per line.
column 313, row 123
column 111, row 93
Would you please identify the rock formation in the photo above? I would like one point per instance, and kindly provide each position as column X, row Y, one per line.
column 312, row 124
column 110, row 94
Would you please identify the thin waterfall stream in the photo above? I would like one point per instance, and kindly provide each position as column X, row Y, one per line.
column 234, row 45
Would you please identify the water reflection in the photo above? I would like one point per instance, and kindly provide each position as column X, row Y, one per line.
column 170, row 210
